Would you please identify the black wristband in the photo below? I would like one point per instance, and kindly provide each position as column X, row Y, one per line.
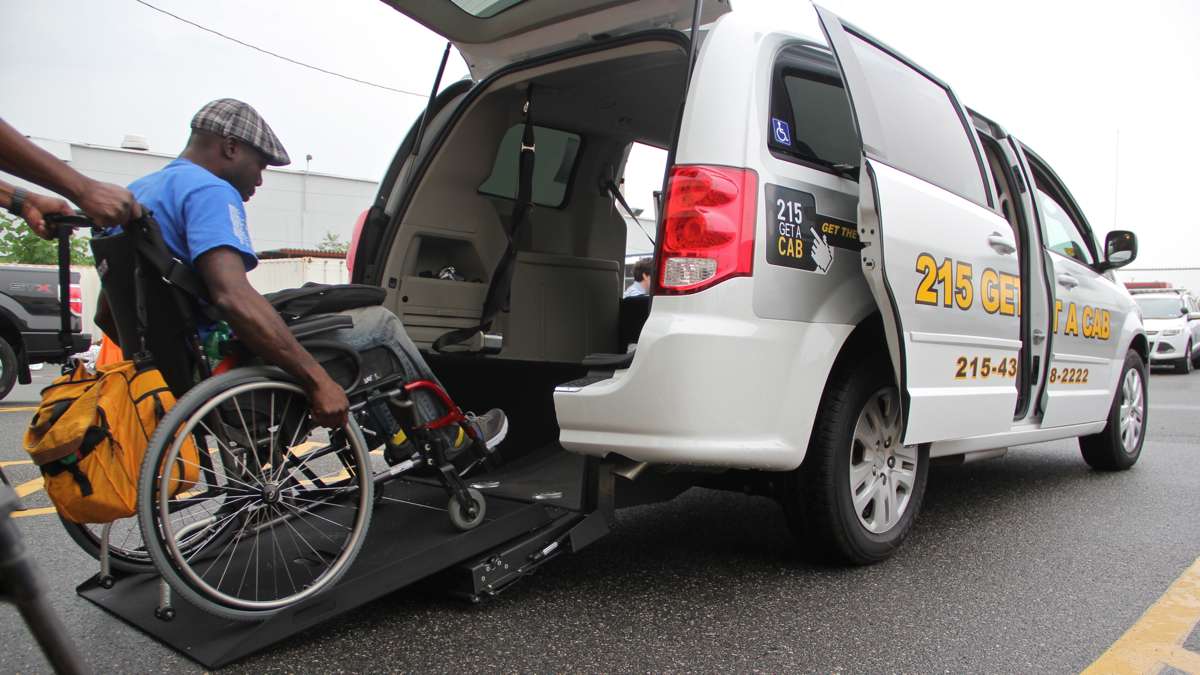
column 17, row 203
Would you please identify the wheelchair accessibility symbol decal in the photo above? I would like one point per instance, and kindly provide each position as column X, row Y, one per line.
column 781, row 131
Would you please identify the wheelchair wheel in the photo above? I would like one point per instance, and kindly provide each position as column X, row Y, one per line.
column 279, row 514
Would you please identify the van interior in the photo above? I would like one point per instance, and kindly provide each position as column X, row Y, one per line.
column 565, row 300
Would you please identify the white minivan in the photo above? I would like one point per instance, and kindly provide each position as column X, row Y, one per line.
column 855, row 274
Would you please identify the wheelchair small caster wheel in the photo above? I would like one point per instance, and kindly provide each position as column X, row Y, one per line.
column 106, row 581
column 463, row 518
column 164, row 613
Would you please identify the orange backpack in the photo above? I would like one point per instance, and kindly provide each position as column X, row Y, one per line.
column 89, row 436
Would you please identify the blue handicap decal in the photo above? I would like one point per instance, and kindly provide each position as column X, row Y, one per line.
column 781, row 131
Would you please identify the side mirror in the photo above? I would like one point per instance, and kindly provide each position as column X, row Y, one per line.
column 1120, row 248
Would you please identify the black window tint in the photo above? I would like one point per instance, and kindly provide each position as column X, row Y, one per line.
column 553, row 164
column 810, row 114
column 919, row 129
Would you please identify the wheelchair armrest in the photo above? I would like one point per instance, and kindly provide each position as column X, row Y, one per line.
column 306, row 328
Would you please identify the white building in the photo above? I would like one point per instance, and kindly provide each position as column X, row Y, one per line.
column 293, row 208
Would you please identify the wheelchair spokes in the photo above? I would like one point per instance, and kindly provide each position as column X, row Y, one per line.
column 281, row 512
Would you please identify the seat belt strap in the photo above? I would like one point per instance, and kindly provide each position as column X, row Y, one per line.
column 498, row 293
column 616, row 193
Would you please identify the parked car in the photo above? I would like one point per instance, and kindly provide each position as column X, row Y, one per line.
column 30, row 321
column 855, row 273
column 1172, row 320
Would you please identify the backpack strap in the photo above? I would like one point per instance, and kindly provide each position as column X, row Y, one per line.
column 498, row 293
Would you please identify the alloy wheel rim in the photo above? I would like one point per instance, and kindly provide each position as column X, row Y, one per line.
column 1133, row 411
column 883, row 472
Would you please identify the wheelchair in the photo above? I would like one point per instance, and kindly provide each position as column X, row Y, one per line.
column 279, row 507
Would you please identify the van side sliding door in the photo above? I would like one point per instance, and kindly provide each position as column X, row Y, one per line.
column 941, row 263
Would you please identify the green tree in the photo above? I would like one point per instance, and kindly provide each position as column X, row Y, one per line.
column 18, row 244
column 332, row 243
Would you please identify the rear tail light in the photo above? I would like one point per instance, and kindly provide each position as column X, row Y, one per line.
column 708, row 225
column 75, row 299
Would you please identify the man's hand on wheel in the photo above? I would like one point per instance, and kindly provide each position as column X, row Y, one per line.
column 329, row 403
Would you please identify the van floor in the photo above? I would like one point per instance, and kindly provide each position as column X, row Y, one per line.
column 524, row 390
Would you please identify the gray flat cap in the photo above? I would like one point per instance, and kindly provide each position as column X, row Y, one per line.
column 231, row 117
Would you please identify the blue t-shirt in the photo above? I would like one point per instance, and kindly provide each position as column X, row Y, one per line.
column 196, row 210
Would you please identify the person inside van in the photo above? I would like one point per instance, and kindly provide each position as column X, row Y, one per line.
column 197, row 201
column 642, row 271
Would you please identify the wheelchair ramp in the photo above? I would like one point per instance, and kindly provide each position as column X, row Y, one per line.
column 410, row 538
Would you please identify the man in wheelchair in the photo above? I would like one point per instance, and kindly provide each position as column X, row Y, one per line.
column 197, row 203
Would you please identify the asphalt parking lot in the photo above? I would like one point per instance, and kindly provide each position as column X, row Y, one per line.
column 1031, row 562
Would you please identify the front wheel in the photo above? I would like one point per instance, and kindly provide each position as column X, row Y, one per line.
column 1118, row 446
column 1184, row 366
column 855, row 497
column 8, row 368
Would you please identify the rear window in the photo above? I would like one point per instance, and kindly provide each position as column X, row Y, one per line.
column 810, row 113
column 553, row 165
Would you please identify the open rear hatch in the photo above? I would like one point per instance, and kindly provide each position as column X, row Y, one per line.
column 492, row 34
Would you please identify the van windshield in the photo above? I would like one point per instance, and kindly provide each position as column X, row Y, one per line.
column 1161, row 308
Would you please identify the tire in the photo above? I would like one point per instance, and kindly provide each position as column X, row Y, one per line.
column 8, row 368
column 820, row 503
column 1195, row 361
column 126, row 552
column 1183, row 366
column 266, row 496
column 1118, row 446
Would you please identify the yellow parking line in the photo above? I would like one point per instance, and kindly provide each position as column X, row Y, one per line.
column 45, row 510
column 15, row 462
column 1156, row 640
column 29, row 487
column 28, row 408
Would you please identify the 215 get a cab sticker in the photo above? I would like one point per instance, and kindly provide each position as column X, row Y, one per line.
column 801, row 238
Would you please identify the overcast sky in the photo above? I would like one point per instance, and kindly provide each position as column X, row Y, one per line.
column 1063, row 76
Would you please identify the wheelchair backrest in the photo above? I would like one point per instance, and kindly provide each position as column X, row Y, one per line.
column 168, row 324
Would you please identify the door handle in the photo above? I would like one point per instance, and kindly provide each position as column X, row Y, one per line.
column 1067, row 281
column 1002, row 244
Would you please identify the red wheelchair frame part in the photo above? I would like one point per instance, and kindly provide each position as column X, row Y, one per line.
column 455, row 416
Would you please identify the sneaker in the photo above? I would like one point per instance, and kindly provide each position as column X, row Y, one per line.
column 492, row 426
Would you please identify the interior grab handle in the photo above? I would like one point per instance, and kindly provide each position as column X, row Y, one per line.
column 1003, row 244
column 1067, row 281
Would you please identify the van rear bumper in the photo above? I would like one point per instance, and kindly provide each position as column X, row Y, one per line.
column 709, row 390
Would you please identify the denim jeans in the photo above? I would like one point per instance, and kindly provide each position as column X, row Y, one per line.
column 376, row 326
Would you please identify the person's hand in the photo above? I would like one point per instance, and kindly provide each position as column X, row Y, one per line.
column 37, row 207
column 329, row 403
column 107, row 204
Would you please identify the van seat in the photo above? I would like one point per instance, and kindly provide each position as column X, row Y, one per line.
column 563, row 308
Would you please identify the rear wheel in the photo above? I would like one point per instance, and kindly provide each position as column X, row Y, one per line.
column 855, row 497
column 1118, row 446
column 277, row 517
column 8, row 368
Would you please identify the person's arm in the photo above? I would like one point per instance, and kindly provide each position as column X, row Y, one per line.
column 105, row 203
column 34, row 208
column 258, row 325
